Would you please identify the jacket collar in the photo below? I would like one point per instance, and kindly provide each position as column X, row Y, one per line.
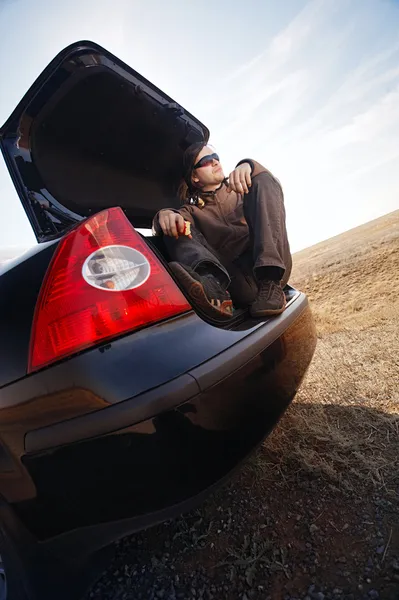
column 213, row 193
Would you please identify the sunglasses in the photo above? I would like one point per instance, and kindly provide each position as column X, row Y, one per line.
column 206, row 161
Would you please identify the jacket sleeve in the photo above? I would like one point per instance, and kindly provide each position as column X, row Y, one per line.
column 256, row 167
column 185, row 211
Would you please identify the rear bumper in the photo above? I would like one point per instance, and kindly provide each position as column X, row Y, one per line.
column 150, row 457
column 169, row 395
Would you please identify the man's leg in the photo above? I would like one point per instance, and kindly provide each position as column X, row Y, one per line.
column 196, row 254
column 265, row 214
column 243, row 287
column 200, row 272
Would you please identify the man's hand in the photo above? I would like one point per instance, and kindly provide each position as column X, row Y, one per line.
column 172, row 223
column 240, row 179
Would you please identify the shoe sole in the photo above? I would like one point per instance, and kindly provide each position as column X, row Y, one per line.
column 268, row 313
column 195, row 290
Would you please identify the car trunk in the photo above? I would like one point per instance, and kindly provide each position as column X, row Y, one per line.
column 92, row 133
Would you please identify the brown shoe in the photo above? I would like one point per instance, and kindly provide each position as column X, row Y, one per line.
column 205, row 291
column 269, row 301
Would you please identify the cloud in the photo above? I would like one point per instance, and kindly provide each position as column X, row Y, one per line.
column 320, row 107
column 271, row 92
column 270, row 75
column 287, row 42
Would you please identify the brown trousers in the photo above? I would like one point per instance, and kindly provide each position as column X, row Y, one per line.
column 267, row 249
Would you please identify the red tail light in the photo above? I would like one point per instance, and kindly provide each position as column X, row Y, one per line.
column 102, row 282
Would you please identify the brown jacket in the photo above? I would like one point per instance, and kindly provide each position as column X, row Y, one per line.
column 221, row 220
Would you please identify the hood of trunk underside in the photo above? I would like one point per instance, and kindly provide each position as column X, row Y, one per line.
column 92, row 133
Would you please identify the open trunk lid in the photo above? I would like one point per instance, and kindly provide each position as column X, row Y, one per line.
column 91, row 133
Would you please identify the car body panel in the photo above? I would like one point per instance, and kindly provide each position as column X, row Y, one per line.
column 168, row 395
column 20, row 283
column 171, row 457
column 122, row 371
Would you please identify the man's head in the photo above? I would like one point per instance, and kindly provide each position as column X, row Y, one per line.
column 202, row 168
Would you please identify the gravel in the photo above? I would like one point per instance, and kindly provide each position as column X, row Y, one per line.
column 296, row 542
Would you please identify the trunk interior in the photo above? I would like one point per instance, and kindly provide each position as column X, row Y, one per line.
column 104, row 143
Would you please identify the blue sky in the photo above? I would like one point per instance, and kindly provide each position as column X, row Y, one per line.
column 308, row 88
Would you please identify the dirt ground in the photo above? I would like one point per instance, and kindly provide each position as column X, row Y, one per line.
column 314, row 514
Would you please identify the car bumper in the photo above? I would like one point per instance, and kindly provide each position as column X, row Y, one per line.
column 127, row 466
column 195, row 382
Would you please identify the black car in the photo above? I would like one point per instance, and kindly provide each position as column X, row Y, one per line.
column 121, row 405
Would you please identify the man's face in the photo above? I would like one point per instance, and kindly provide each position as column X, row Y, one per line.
column 208, row 175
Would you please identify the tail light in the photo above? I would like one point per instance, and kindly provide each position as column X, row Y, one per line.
column 102, row 282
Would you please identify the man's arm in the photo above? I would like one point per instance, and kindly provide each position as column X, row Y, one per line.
column 170, row 221
column 256, row 167
column 240, row 180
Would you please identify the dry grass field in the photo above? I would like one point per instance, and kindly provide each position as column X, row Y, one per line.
column 345, row 420
column 314, row 514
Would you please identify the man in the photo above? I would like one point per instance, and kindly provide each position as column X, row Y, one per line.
column 236, row 251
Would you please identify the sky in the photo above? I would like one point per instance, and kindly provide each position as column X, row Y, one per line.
column 309, row 88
